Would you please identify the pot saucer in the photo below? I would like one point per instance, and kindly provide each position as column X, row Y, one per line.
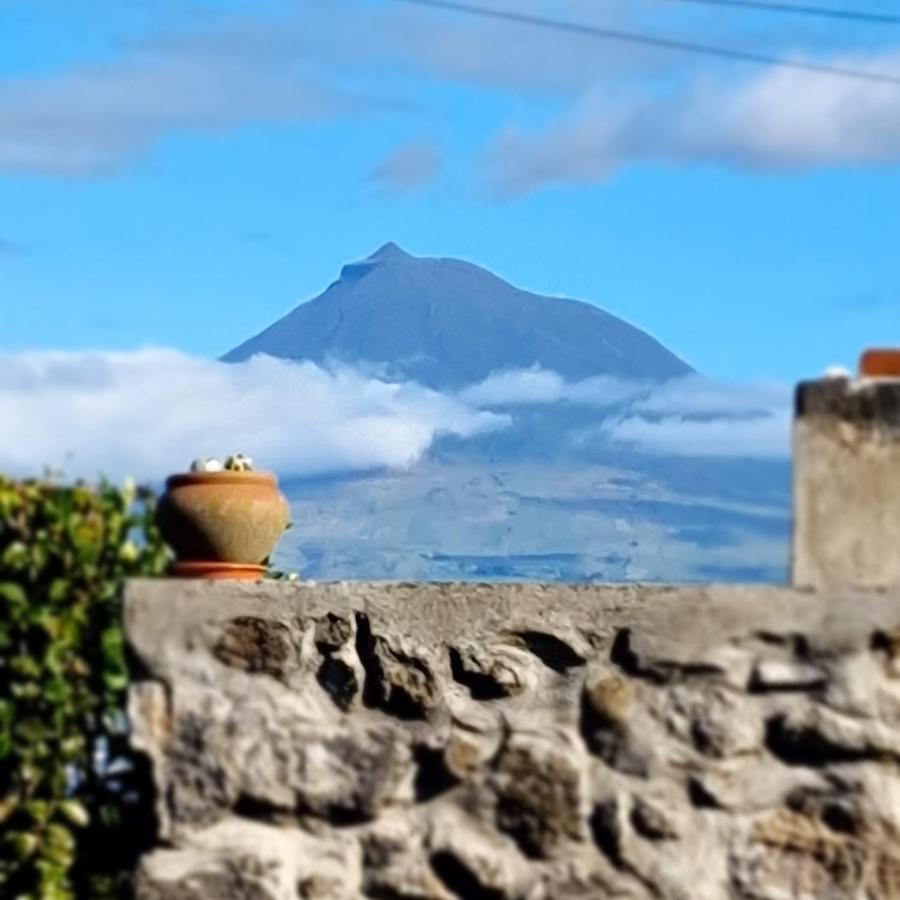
column 218, row 571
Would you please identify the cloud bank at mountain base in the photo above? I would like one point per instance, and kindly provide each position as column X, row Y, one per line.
column 148, row 413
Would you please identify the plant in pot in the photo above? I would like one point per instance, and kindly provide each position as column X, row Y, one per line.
column 222, row 520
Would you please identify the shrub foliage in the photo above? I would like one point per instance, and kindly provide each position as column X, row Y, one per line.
column 73, row 808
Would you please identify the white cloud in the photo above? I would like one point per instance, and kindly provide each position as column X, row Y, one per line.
column 489, row 52
column 222, row 70
column 699, row 396
column 523, row 387
column 516, row 387
column 784, row 119
column 90, row 119
column 690, row 416
column 408, row 168
column 219, row 70
column 149, row 413
column 759, row 436
column 695, row 416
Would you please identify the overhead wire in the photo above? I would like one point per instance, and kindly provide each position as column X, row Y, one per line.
column 771, row 6
column 665, row 43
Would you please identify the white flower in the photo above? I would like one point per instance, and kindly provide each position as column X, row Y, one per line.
column 204, row 464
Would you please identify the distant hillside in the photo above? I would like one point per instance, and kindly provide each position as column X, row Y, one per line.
column 447, row 323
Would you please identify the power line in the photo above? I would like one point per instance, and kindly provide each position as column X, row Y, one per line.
column 647, row 40
column 846, row 15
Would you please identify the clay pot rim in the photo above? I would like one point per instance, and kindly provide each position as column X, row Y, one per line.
column 225, row 477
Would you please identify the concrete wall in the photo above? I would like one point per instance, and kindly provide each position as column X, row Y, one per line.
column 847, row 484
column 402, row 741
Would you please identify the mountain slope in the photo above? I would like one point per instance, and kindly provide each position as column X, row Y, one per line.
column 447, row 323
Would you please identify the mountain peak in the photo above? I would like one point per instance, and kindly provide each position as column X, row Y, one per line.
column 446, row 324
column 388, row 252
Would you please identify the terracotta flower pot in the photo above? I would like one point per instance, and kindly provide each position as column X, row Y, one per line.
column 222, row 524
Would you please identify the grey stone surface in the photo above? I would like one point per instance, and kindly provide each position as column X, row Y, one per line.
column 537, row 742
column 847, row 484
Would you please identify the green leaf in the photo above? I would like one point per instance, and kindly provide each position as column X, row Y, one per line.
column 25, row 666
column 30, row 730
column 113, row 645
column 13, row 593
column 59, row 844
column 38, row 810
column 59, row 589
column 22, row 845
column 75, row 813
column 15, row 556
column 8, row 805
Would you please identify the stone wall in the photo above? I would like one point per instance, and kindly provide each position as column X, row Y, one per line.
column 431, row 742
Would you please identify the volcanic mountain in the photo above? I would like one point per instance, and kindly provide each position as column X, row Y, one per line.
column 551, row 495
column 447, row 323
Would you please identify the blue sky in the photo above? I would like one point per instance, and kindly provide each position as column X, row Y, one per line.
column 180, row 174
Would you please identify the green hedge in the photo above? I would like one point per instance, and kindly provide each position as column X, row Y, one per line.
column 74, row 810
